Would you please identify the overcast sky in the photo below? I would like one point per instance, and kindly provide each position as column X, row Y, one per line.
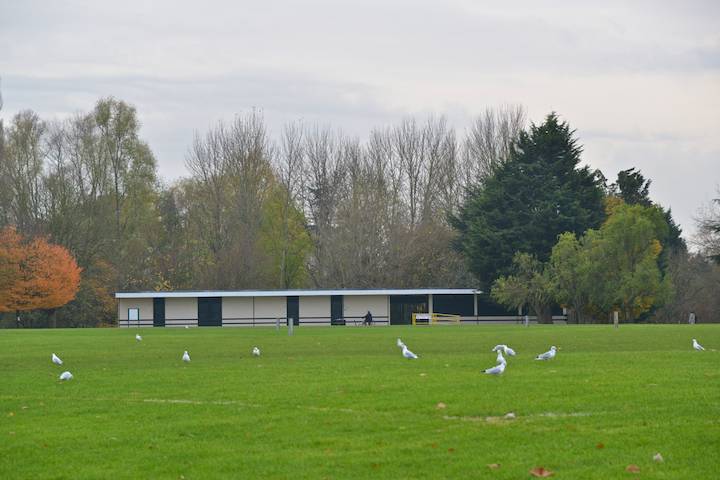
column 640, row 83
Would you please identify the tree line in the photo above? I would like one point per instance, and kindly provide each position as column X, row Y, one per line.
column 308, row 207
column 543, row 230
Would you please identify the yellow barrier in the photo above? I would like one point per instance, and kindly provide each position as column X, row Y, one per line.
column 435, row 318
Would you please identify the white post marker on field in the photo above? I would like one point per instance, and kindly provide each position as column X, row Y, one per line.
column 527, row 320
column 691, row 318
column 616, row 319
column 291, row 322
column 277, row 324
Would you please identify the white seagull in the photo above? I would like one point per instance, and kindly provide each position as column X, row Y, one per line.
column 496, row 370
column 500, row 358
column 56, row 360
column 186, row 356
column 547, row 355
column 256, row 352
column 138, row 338
column 407, row 353
column 400, row 343
column 697, row 346
column 505, row 349
column 66, row 376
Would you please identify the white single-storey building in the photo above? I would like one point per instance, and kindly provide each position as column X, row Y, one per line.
column 304, row 307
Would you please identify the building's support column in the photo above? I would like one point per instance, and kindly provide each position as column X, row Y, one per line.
column 430, row 306
column 475, row 309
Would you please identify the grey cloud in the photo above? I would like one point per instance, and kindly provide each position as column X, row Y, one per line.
column 171, row 110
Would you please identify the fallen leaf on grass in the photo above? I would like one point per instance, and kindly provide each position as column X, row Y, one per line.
column 541, row 472
column 434, row 445
column 600, row 446
column 493, row 466
column 440, row 405
column 423, row 374
column 632, row 468
column 451, row 450
column 11, row 414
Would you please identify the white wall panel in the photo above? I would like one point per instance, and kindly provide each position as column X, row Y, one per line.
column 358, row 306
column 315, row 310
column 145, row 305
column 181, row 308
column 237, row 307
column 270, row 307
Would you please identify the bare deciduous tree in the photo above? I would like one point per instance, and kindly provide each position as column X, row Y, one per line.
column 231, row 178
column 490, row 140
column 21, row 172
column 707, row 238
column 288, row 168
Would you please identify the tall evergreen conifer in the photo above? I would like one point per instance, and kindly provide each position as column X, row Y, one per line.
column 537, row 194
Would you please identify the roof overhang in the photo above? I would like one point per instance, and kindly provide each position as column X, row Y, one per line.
column 297, row 293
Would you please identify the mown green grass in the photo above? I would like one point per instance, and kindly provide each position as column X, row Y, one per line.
column 342, row 403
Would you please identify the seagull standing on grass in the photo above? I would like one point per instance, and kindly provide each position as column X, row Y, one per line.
column 138, row 337
column 496, row 370
column 186, row 356
column 407, row 353
column 66, row 376
column 547, row 355
column 697, row 346
column 256, row 352
column 500, row 358
column 56, row 360
column 400, row 343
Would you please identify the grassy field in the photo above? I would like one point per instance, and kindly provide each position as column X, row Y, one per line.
column 342, row 403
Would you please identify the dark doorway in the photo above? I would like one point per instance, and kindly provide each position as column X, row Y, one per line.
column 403, row 306
column 336, row 310
column 293, row 310
column 210, row 312
column 158, row 312
column 463, row 305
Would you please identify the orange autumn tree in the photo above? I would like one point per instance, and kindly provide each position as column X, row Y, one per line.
column 35, row 273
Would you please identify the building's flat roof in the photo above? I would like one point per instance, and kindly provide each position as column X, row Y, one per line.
column 298, row 293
